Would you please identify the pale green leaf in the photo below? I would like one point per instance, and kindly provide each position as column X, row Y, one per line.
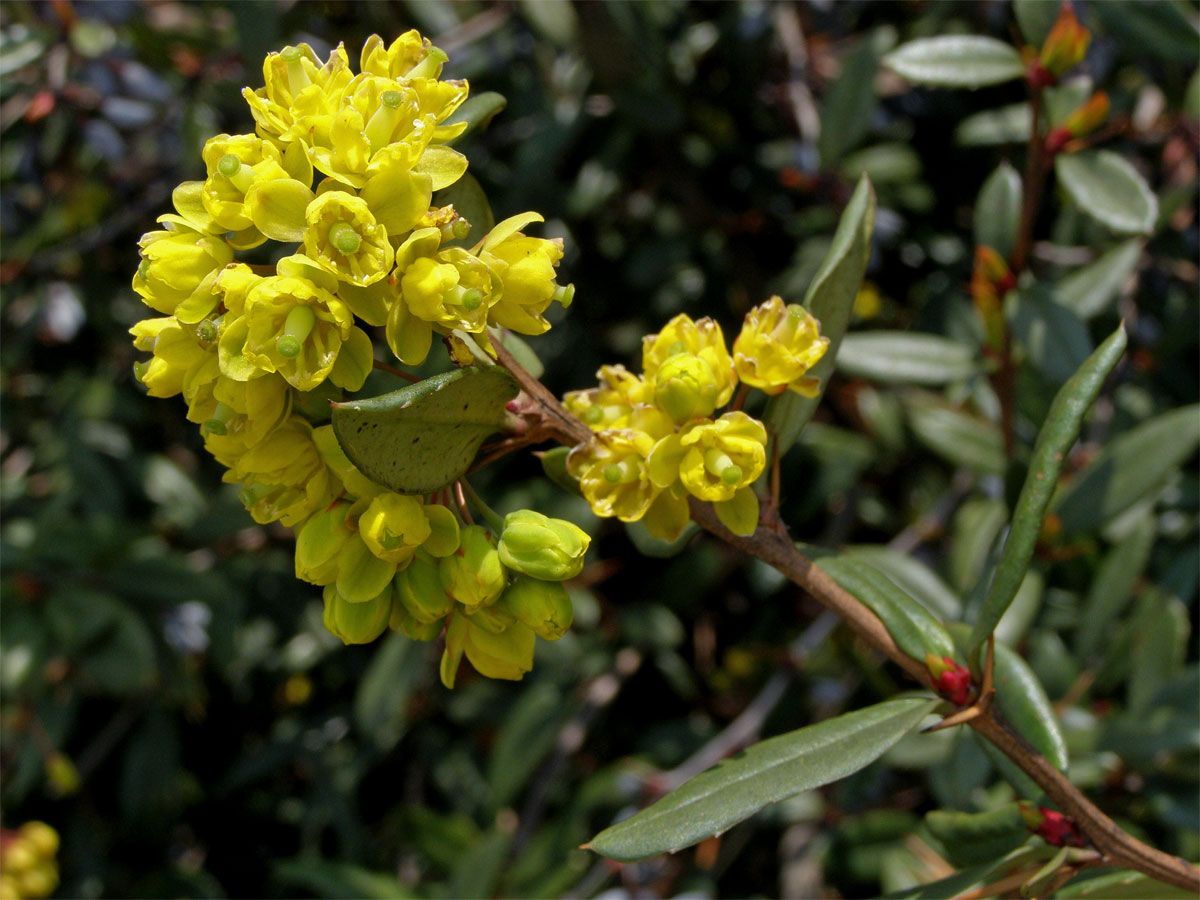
column 957, row 61
column 1109, row 189
column 1006, row 125
column 998, row 210
column 767, row 772
column 956, row 436
column 1090, row 289
column 906, row 357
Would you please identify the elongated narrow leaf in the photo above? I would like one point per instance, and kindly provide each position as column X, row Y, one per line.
column 1110, row 190
column 1128, row 469
column 830, row 298
column 1053, row 337
column 770, row 771
column 974, row 838
column 956, row 436
column 905, row 357
column 1122, row 885
column 1160, row 642
column 1057, row 436
column 1089, row 290
column 971, row 879
column 957, row 61
column 1006, row 125
column 998, row 210
column 912, row 576
column 420, row 438
column 914, row 629
column 1112, row 588
column 849, row 102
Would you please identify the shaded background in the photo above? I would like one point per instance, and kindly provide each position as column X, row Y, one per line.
column 156, row 644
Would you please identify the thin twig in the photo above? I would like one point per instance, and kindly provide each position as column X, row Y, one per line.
column 392, row 370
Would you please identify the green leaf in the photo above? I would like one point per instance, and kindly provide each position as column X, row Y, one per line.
column 337, row 879
column 471, row 202
column 830, row 299
column 1090, row 289
column 905, row 357
column 1110, row 190
column 655, row 547
column 1053, row 337
column 969, row 880
column 477, row 111
column 422, row 437
column 973, row 533
column 1163, row 30
column 767, row 772
column 1160, row 643
column 974, row 838
column 528, row 732
column 1112, row 587
column 914, row 629
column 381, row 701
column 1006, row 125
column 912, row 576
column 998, row 210
column 957, row 61
column 956, row 436
column 1065, row 97
column 1035, row 18
column 848, row 104
column 1057, row 436
column 1122, row 885
column 1128, row 469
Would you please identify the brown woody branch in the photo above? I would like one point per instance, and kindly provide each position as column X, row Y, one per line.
column 771, row 544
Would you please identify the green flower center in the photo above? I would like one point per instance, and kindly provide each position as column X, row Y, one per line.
column 296, row 328
column 345, row 238
column 720, row 465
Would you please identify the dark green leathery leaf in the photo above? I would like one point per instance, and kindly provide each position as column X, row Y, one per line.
column 1055, row 439
column 420, row 438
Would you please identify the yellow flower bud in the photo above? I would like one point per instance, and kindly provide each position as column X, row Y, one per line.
column 419, row 590
column 319, row 541
column 178, row 269
column 300, row 94
column 393, row 527
column 685, row 388
column 507, row 655
column 178, row 355
column 284, row 477
column 703, row 339
column 541, row 547
column 357, row 623
column 473, row 575
column 525, row 266
column 543, row 606
column 777, row 345
column 41, row 837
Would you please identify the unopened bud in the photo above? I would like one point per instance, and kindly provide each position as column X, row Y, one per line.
column 541, row 547
column 685, row 388
column 419, row 589
column 473, row 575
column 357, row 623
column 544, row 606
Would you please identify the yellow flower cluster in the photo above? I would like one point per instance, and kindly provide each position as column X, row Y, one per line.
column 27, row 864
column 658, row 439
column 341, row 171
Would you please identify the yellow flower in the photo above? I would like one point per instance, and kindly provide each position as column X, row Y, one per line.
column 525, row 267
column 419, row 590
column 237, row 166
column 319, row 543
column 236, row 415
column 393, row 527
column 284, row 477
column 290, row 326
column 713, row 460
column 402, row 58
column 611, row 404
column 343, row 237
column 179, row 356
column 778, row 344
column 178, row 268
column 300, row 95
column 703, row 339
column 612, row 473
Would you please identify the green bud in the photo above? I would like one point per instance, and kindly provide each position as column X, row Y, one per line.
column 357, row 623
column 544, row 606
column 541, row 547
column 473, row 575
column 554, row 464
column 402, row 621
column 685, row 388
column 419, row 589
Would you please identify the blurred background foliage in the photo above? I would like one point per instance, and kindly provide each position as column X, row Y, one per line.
column 171, row 701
